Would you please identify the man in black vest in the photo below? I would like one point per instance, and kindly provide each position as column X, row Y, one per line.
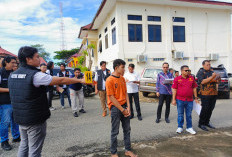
column 5, row 105
column 27, row 87
column 100, row 87
column 64, row 73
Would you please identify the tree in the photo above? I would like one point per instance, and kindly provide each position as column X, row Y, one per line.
column 42, row 52
column 90, row 48
column 65, row 54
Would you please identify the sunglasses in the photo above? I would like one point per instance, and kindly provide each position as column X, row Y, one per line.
column 165, row 67
column 187, row 70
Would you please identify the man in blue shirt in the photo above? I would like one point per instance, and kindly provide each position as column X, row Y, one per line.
column 76, row 90
column 164, row 92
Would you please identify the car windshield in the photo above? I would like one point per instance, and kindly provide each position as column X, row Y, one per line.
column 222, row 73
column 151, row 73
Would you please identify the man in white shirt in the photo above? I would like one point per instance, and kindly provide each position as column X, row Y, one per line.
column 100, row 86
column 132, row 83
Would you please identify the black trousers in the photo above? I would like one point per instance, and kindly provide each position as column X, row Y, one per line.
column 167, row 99
column 208, row 105
column 50, row 96
column 137, row 105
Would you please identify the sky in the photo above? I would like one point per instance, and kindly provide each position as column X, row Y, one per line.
column 29, row 22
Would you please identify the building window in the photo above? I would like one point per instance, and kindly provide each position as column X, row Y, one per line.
column 130, row 60
column 178, row 33
column 178, row 19
column 186, row 58
column 135, row 17
column 114, row 36
column 113, row 21
column 106, row 29
column 100, row 36
column 154, row 33
column 195, row 58
column 106, row 42
column 158, row 59
column 135, row 32
column 100, row 46
column 154, row 18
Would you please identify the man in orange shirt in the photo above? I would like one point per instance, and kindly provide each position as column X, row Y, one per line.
column 118, row 103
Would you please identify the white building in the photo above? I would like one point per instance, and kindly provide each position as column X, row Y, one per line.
column 150, row 32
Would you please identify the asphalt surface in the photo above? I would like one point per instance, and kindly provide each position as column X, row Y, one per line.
column 90, row 132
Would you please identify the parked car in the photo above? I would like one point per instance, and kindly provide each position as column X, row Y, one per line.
column 224, row 86
column 148, row 80
column 230, row 79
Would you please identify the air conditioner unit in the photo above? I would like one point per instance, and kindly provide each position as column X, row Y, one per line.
column 141, row 58
column 213, row 56
column 178, row 55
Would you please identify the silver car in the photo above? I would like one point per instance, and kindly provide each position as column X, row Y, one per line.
column 148, row 80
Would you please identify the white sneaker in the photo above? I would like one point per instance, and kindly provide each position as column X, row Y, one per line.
column 191, row 131
column 62, row 107
column 179, row 130
column 52, row 108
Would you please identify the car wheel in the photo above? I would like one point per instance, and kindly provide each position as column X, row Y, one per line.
column 145, row 94
column 227, row 95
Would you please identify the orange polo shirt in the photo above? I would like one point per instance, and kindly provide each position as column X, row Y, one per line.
column 116, row 86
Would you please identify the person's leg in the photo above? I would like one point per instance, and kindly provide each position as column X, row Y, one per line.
column 137, row 104
column 62, row 98
column 130, row 95
column 212, row 103
column 50, row 96
column 168, row 102
column 180, row 111
column 23, row 147
column 14, row 129
column 80, row 95
column 204, row 110
column 126, row 132
column 115, row 124
column 73, row 100
column 5, row 121
column 161, row 101
column 36, row 136
column 188, row 114
column 103, row 102
column 68, row 95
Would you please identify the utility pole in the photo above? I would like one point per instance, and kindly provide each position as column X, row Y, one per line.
column 62, row 30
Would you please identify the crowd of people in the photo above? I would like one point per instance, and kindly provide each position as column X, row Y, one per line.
column 26, row 98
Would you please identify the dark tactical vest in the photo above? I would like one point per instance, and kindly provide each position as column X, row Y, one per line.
column 30, row 104
column 102, row 76
column 4, row 97
column 62, row 75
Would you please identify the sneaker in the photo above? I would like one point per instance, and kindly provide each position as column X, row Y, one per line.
column 62, row 107
column 157, row 120
column 16, row 140
column 179, row 130
column 82, row 111
column 52, row 108
column 75, row 114
column 167, row 120
column 191, row 131
column 6, row 146
column 140, row 118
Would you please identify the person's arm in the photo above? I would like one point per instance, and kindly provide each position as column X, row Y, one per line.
column 174, row 96
column 128, row 104
column 65, row 80
column 195, row 95
column 207, row 80
column 4, row 90
column 158, row 85
column 96, row 79
column 117, row 105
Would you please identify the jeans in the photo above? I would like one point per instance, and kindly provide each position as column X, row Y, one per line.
column 186, row 106
column 208, row 104
column 7, row 120
column 32, row 139
column 74, row 94
column 137, row 105
column 116, row 117
column 67, row 92
column 168, row 99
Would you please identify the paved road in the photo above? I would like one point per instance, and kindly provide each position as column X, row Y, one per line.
column 70, row 136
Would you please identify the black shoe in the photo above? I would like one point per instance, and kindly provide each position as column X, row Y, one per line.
column 203, row 127
column 210, row 126
column 157, row 120
column 75, row 114
column 16, row 140
column 131, row 117
column 82, row 111
column 167, row 120
column 6, row 146
column 140, row 118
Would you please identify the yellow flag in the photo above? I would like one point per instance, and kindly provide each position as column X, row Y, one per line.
column 88, row 77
